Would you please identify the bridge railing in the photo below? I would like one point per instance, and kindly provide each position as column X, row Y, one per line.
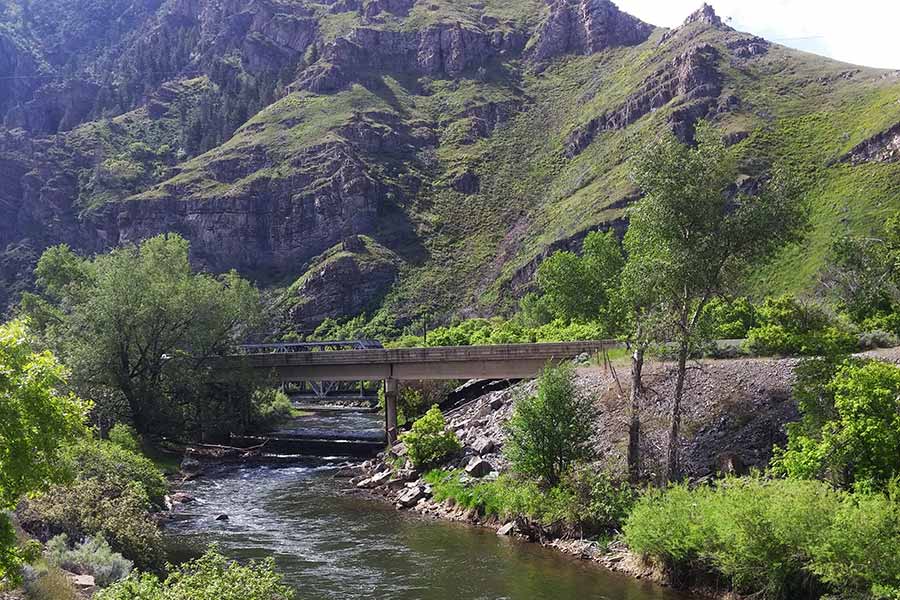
column 296, row 347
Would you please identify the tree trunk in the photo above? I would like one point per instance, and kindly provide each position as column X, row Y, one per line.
column 634, row 429
column 672, row 466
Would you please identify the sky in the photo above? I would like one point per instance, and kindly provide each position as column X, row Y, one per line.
column 862, row 32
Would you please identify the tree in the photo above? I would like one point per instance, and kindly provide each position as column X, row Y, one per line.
column 850, row 433
column 580, row 287
column 865, row 277
column 37, row 420
column 550, row 431
column 691, row 239
column 140, row 322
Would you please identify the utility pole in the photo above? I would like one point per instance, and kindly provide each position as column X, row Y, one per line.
column 425, row 330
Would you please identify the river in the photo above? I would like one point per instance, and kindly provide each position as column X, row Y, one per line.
column 332, row 543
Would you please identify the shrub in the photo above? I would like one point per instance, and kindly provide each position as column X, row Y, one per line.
column 118, row 466
column 787, row 326
column 872, row 339
column 859, row 553
column 91, row 507
column 428, row 443
column 852, row 435
column 270, row 407
column 90, row 557
column 49, row 584
column 210, row 576
column 757, row 534
column 731, row 320
column 549, row 431
column 125, row 437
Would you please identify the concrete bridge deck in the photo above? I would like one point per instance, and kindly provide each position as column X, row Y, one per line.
column 512, row 361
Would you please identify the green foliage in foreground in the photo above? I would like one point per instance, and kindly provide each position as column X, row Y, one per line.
column 588, row 502
column 850, row 433
column 429, row 441
column 91, row 507
column 111, row 497
column 779, row 539
column 37, row 419
column 210, row 577
column 549, row 431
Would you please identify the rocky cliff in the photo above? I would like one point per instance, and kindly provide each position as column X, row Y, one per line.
column 464, row 140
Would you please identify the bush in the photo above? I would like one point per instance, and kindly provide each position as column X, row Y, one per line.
column 91, row 507
column 49, row 584
column 873, row 339
column 731, row 320
column 125, row 437
column 549, row 431
column 91, row 557
column 211, row 576
column 851, row 429
column 117, row 466
column 790, row 327
column 757, row 534
column 270, row 407
column 428, row 443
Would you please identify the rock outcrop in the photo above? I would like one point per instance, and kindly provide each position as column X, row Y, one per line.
column 883, row 147
column 692, row 77
column 585, row 27
column 349, row 279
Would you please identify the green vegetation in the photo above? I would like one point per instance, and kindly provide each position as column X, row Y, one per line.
column 38, row 418
column 688, row 241
column 587, row 502
column 142, row 350
column 788, row 326
column 210, row 576
column 429, row 442
column 778, row 539
column 850, row 432
column 580, row 288
column 549, row 431
column 90, row 557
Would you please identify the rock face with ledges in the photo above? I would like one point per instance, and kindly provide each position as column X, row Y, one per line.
column 586, row 27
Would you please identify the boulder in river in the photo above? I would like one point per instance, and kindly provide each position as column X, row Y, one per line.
column 222, row 517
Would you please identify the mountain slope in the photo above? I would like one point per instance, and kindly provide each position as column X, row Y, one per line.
column 463, row 140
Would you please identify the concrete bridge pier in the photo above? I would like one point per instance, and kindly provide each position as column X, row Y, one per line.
column 390, row 409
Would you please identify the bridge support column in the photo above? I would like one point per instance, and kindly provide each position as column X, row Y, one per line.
column 390, row 409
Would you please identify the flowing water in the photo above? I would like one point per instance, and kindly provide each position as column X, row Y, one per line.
column 332, row 543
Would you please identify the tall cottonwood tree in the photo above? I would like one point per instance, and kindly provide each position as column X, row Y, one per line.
column 139, row 321
column 692, row 237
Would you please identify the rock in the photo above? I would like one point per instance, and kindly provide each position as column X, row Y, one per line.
column 692, row 76
column 182, row 498
column 83, row 581
column 190, row 465
column 496, row 403
column 399, row 449
column 222, row 517
column 483, row 446
column 478, row 467
column 883, row 147
column 705, row 14
column 411, row 496
column 585, row 27
column 375, row 481
column 508, row 529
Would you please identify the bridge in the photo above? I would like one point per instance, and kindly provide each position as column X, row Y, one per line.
column 512, row 361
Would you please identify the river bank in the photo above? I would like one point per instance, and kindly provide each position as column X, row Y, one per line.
column 332, row 540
